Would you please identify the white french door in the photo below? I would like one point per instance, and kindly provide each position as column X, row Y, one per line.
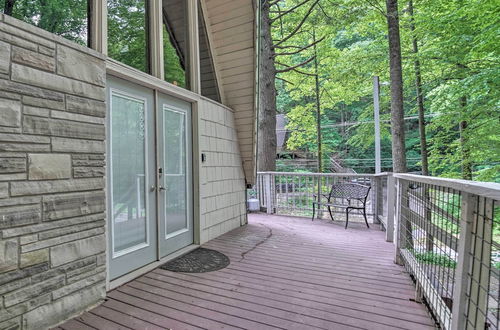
column 149, row 176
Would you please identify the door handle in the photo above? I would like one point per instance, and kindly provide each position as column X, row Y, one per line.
column 162, row 188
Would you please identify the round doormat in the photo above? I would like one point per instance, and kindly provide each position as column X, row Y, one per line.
column 200, row 260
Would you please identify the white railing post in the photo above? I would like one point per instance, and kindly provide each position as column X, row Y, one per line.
column 397, row 219
column 391, row 206
column 378, row 195
column 462, row 280
column 268, row 193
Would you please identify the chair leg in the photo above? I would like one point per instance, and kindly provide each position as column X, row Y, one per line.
column 314, row 209
column 330, row 211
column 346, row 217
column 364, row 215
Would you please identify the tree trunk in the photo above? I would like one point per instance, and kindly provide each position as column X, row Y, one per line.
column 266, row 148
column 466, row 161
column 318, row 106
column 420, row 95
column 9, row 7
column 397, row 111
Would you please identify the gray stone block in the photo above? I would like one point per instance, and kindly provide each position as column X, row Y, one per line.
column 34, row 257
column 21, row 33
column 11, row 232
column 31, row 58
column 10, row 113
column 79, row 285
column 4, row 190
column 77, row 117
column 39, row 102
column 27, row 147
column 88, row 172
column 23, row 89
column 72, row 251
column 20, row 215
column 4, row 57
column 71, row 205
column 81, row 273
column 27, row 75
column 12, row 96
column 88, row 162
column 49, row 166
column 12, row 324
column 85, row 106
column 70, row 230
column 24, row 139
column 28, row 239
column 62, row 239
column 48, row 315
column 15, row 201
column 74, row 64
column 76, row 145
column 33, row 291
column 18, row 41
column 12, row 165
column 8, row 254
column 22, row 273
column 36, row 111
column 14, row 285
column 8, row 313
column 55, row 186
column 46, row 51
column 64, row 128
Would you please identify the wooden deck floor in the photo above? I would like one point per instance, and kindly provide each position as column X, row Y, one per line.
column 285, row 273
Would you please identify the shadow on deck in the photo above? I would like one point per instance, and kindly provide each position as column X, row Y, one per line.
column 285, row 273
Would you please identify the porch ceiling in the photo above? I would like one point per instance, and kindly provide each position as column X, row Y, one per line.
column 287, row 273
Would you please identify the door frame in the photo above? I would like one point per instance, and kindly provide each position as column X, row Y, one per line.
column 122, row 71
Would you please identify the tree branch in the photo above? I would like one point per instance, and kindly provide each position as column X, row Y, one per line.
column 297, row 28
column 283, row 13
column 290, row 68
column 300, row 49
column 284, row 80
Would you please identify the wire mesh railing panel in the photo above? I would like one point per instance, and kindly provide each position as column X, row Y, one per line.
column 294, row 193
column 449, row 241
column 428, row 242
column 484, row 266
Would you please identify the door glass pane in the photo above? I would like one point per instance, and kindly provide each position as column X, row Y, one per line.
column 175, row 42
column 128, row 172
column 174, row 128
column 127, row 33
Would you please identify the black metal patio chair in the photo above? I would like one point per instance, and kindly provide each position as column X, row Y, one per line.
column 344, row 192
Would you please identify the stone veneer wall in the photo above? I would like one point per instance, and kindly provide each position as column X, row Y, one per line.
column 52, row 204
column 222, row 189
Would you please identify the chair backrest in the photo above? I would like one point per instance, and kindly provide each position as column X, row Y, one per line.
column 349, row 191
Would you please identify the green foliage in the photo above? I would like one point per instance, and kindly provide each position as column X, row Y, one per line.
column 459, row 57
column 435, row 259
column 64, row 18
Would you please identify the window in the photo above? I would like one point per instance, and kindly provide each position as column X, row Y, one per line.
column 128, row 33
column 175, row 42
column 209, row 87
column 65, row 18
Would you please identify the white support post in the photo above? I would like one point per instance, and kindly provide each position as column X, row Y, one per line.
column 194, row 46
column 397, row 220
column 99, row 26
column 268, row 193
column 462, row 280
column 376, row 118
column 155, row 15
column 391, row 205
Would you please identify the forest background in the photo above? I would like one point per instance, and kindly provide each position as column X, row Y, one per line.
column 326, row 52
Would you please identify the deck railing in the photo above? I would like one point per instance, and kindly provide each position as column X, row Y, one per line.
column 446, row 234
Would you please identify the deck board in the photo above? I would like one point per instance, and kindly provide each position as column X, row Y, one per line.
column 285, row 273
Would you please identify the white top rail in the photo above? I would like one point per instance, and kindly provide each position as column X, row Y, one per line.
column 484, row 189
column 360, row 175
